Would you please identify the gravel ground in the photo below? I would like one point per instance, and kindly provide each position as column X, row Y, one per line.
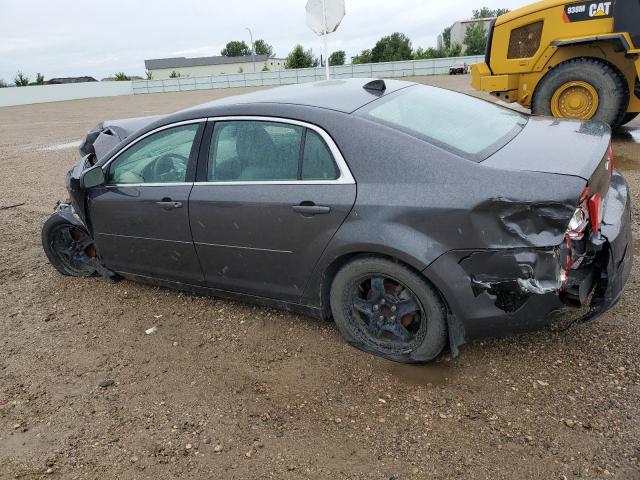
column 226, row 390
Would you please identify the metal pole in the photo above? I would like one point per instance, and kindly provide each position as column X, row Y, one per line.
column 324, row 37
column 253, row 56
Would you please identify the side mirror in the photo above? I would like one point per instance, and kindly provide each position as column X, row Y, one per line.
column 92, row 177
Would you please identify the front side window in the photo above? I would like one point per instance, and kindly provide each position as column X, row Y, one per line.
column 467, row 126
column 159, row 158
column 258, row 151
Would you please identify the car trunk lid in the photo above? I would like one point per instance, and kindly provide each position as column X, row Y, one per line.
column 563, row 147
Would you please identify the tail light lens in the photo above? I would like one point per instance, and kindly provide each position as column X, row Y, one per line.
column 610, row 159
column 578, row 223
column 580, row 220
column 595, row 212
column 589, row 211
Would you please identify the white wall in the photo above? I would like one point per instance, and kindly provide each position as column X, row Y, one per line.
column 72, row 91
column 274, row 64
column 69, row 91
column 408, row 68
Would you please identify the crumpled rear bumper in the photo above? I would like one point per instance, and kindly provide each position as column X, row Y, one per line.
column 503, row 291
column 617, row 247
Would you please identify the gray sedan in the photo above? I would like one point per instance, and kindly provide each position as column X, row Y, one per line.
column 415, row 217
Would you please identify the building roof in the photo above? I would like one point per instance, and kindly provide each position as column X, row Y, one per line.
column 61, row 80
column 476, row 20
column 183, row 62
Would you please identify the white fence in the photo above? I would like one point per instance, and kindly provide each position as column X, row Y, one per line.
column 408, row 68
column 73, row 91
column 68, row 91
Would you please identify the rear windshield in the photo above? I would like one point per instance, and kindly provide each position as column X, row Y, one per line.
column 467, row 126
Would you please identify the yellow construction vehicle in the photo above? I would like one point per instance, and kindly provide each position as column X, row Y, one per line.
column 569, row 59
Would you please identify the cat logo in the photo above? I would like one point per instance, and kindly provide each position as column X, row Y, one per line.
column 578, row 12
column 599, row 9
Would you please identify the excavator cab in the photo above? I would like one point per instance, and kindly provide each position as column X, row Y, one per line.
column 569, row 59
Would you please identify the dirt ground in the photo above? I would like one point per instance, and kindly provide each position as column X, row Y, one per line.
column 230, row 391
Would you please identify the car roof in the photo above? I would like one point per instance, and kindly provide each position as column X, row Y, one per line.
column 345, row 95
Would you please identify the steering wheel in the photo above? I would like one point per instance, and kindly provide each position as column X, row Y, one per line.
column 166, row 168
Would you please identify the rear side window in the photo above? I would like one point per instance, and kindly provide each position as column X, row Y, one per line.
column 467, row 126
column 525, row 41
column 254, row 151
column 317, row 162
column 258, row 151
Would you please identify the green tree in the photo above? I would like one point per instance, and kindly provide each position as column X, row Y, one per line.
column 475, row 39
column 486, row 12
column 265, row 68
column 394, row 47
column 446, row 38
column 263, row 48
column 149, row 75
column 236, row 49
column 21, row 80
column 39, row 79
column 301, row 58
column 455, row 50
column 337, row 58
column 121, row 77
column 363, row 57
column 427, row 53
column 174, row 74
column 3, row 84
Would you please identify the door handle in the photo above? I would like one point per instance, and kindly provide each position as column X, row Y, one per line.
column 310, row 209
column 168, row 204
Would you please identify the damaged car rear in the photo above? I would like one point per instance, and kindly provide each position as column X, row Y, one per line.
column 414, row 216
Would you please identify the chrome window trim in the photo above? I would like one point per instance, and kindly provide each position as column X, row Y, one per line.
column 140, row 138
column 345, row 178
column 168, row 184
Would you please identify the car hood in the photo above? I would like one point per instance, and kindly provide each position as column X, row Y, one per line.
column 106, row 135
column 550, row 145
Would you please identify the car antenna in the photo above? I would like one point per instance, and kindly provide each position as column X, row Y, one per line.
column 376, row 86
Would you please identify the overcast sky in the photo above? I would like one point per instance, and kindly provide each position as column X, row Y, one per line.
column 98, row 38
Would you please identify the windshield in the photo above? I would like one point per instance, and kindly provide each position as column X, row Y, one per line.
column 465, row 125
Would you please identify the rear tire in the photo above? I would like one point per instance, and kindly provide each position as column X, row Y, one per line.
column 587, row 77
column 420, row 332
column 68, row 247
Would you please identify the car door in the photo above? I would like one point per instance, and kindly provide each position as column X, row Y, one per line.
column 140, row 217
column 270, row 195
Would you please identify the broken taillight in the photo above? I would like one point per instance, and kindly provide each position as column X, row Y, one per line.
column 580, row 218
column 610, row 159
column 589, row 211
column 595, row 212
column 578, row 223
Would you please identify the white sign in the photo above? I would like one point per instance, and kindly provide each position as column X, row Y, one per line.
column 324, row 16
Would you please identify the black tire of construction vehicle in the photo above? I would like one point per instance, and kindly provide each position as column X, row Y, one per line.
column 428, row 341
column 612, row 89
column 65, row 244
column 629, row 117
